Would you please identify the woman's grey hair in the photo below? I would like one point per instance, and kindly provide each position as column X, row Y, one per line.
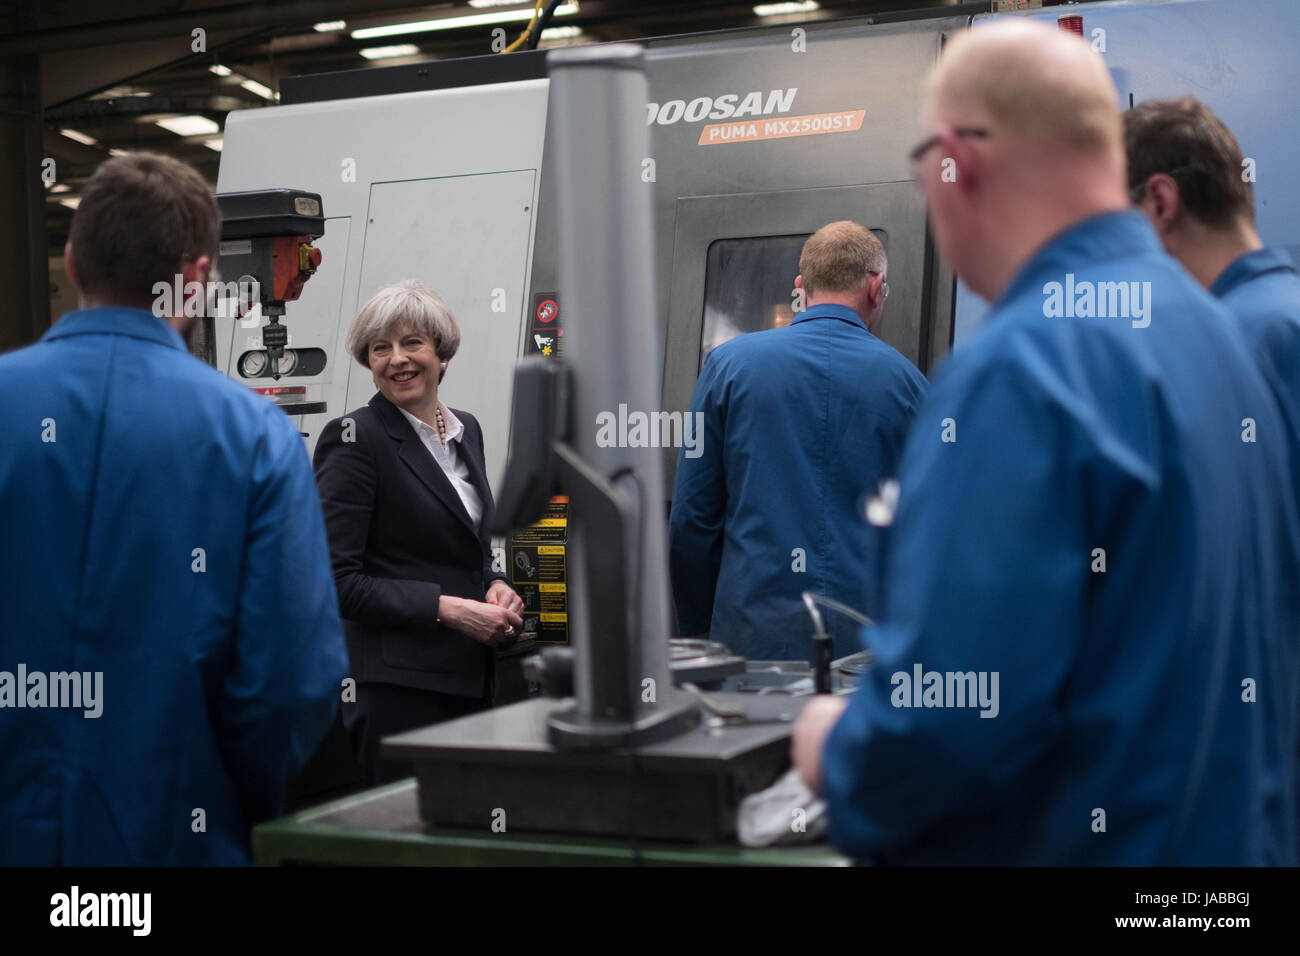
column 404, row 305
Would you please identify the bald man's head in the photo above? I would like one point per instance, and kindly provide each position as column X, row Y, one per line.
column 1022, row 139
column 1030, row 82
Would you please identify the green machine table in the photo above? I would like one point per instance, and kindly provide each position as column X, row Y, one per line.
column 382, row 827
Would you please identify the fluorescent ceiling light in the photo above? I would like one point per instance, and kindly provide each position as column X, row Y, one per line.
column 220, row 70
column 214, row 144
column 328, row 26
column 387, row 52
column 60, row 188
column 71, row 203
column 81, row 138
column 189, row 125
column 561, row 33
column 117, row 152
column 776, row 9
column 261, row 89
column 120, row 93
column 456, row 23
column 497, row 3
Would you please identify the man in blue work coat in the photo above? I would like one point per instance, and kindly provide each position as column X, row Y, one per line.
column 799, row 423
column 1086, row 622
column 1186, row 172
column 170, row 647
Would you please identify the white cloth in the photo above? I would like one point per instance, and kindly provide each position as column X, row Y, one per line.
column 786, row 812
column 450, row 459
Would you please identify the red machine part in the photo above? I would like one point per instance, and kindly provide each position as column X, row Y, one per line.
column 1070, row 23
column 293, row 260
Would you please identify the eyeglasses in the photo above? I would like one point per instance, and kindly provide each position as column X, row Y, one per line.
column 965, row 132
column 1135, row 194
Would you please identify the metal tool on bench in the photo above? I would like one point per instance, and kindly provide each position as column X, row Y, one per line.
column 823, row 667
column 690, row 660
column 629, row 754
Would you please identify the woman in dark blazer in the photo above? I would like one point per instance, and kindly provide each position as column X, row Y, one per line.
column 405, row 494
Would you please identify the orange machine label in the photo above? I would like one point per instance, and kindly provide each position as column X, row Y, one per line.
column 782, row 127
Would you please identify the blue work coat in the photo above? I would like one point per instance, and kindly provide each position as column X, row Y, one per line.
column 799, row 424
column 159, row 526
column 1262, row 289
column 1136, row 718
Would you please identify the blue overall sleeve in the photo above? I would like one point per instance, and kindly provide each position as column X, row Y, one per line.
column 280, row 695
column 985, row 572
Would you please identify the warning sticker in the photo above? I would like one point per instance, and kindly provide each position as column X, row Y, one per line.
column 545, row 336
column 783, row 127
column 539, row 573
column 533, row 567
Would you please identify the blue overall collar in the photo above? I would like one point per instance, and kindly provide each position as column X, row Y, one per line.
column 116, row 320
column 1104, row 237
column 829, row 311
column 1251, row 266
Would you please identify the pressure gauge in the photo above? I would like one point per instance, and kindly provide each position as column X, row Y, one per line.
column 288, row 362
column 253, row 364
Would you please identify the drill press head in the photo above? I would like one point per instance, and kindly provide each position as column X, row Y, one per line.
column 266, row 245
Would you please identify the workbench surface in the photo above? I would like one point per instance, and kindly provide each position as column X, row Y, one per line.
column 382, row 827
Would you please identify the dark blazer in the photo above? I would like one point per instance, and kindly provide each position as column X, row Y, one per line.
column 399, row 539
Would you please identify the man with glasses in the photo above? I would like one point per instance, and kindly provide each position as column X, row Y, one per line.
column 1086, row 610
column 799, row 424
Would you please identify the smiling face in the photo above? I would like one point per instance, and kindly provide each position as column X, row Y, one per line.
column 405, row 367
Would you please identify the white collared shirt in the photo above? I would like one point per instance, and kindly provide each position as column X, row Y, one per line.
column 450, row 459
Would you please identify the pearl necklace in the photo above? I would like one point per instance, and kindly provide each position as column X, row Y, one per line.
column 442, row 427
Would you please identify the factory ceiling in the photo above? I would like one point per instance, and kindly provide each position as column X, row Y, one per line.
column 164, row 74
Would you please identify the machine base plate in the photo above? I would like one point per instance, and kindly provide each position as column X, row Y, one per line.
column 499, row 767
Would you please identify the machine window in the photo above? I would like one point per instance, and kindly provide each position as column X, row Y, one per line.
column 749, row 286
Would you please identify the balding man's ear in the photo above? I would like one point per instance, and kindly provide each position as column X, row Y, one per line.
column 961, row 163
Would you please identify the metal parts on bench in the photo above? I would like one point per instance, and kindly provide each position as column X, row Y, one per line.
column 690, row 660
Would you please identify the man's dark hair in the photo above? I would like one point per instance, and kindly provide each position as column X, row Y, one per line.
column 1184, row 139
column 141, row 216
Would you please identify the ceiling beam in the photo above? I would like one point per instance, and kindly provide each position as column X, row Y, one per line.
column 241, row 16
